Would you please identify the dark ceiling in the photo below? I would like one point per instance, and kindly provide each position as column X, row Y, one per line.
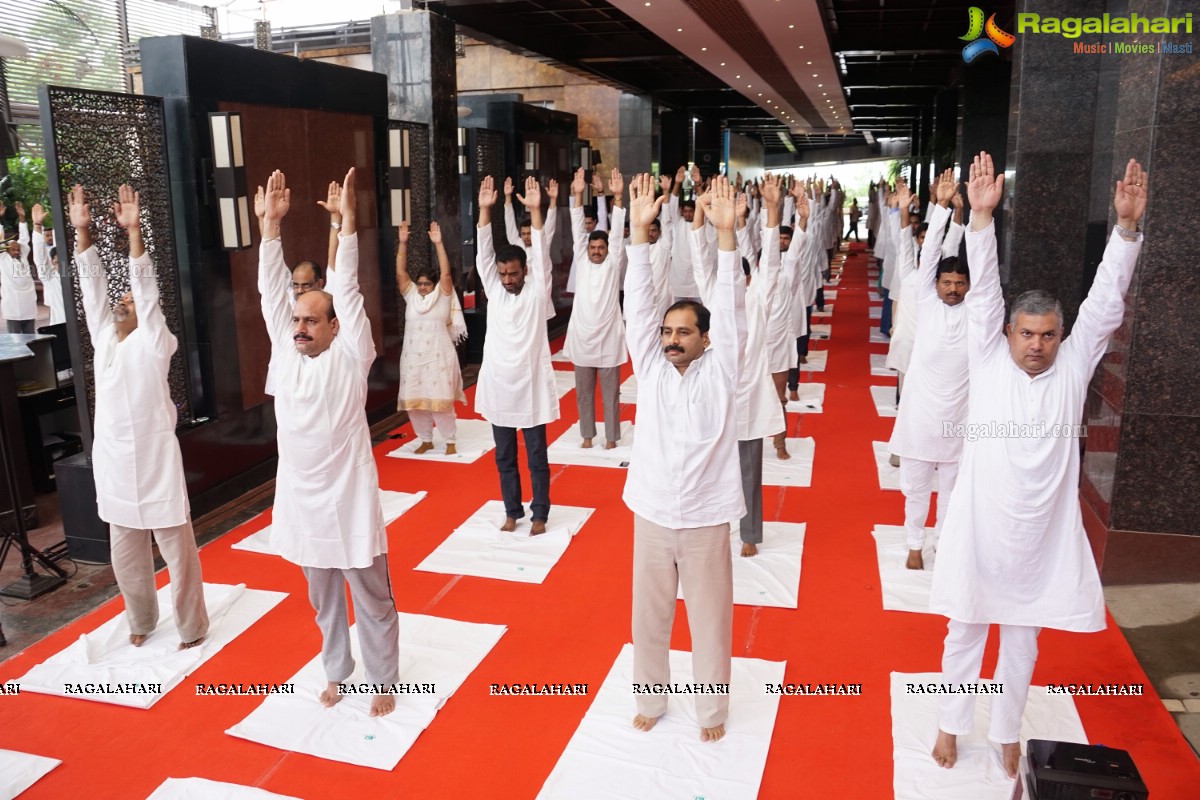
column 894, row 56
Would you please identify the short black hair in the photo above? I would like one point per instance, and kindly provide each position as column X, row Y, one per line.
column 601, row 236
column 924, row 226
column 510, row 252
column 688, row 204
column 951, row 264
column 785, row 229
column 589, row 212
column 525, row 222
column 317, row 270
column 53, row 252
column 703, row 315
column 653, row 222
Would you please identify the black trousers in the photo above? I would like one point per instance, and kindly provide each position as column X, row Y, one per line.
column 510, row 476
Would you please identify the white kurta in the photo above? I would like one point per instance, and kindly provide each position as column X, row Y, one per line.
column 904, row 311
column 135, row 453
column 548, row 228
column 685, row 471
column 52, row 289
column 516, row 387
column 430, row 378
column 18, row 295
column 327, row 511
column 1013, row 549
column 596, row 333
column 781, row 336
column 682, row 281
column 935, row 384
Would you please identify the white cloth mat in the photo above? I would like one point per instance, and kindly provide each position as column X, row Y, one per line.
column 889, row 476
column 628, row 394
column 830, row 294
column 437, row 651
column 828, row 312
column 872, row 273
column 978, row 773
column 394, row 505
column 560, row 357
column 821, row 331
column 812, row 399
column 875, row 312
column 564, row 382
column 607, row 759
column 478, row 546
column 797, row 470
column 903, row 589
column 878, row 336
column 105, row 655
column 771, row 578
column 816, row 361
column 879, row 365
column 566, row 450
column 885, row 400
column 473, row 439
column 874, row 297
column 19, row 771
column 203, row 789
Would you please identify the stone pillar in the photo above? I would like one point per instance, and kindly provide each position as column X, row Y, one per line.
column 415, row 50
column 637, row 149
column 984, row 124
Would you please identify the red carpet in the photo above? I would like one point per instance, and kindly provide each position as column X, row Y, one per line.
column 570, row 629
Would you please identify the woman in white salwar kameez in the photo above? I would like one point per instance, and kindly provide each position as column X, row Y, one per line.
column 430, row 378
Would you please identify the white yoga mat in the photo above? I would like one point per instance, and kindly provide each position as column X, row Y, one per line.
column 474, row 438
column 19, row 771
column 560, row 357
column 828, row 312
column 879, row 365
column 106, row 657
column 478, row 546
column 771, row 578
column 566, row 450
column 817, row 360
column 830, row 294
column 203, row 789
column 564, row 382
column 608, row 759
column 394, row 505
column 797, row 470
column 978, row 774
column 441, row 652
column 821, row 331
column 875, row 312
column 878, row 336
column 629, row 391
column 812, row 399
column 903, row 589
column 872, row 273
column 874, row 297
column 889, row 476
column 885, row 400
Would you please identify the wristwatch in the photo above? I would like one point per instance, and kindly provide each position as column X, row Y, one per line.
column 337, row 226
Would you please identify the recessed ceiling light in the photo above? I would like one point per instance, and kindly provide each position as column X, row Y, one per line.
column 791, row 26
column 722, row 63
column 814, row 74
column 679, row 30
column 760, row 95
column 824, row 94
column 801, row 47
column 702, row 49
column 737, row 76
column 809, row 63
column 747, row 86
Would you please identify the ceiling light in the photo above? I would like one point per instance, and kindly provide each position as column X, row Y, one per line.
column 801, row 47
column 791, row 26
column 824, row 94
column 722, row 63
column 760, row 95
column 814, row 74
column 702, row 49
column 679, row 30
column 737, row 76
column 809, row 63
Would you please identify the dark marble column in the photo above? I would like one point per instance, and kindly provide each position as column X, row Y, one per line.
column 415, row 50
column 636, row 129
column 984, row 123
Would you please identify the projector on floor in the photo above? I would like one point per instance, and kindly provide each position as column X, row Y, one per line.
column 1071, row 771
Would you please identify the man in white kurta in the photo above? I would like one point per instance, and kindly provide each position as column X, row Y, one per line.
column 595, row 341
column 684, row 484
column 327, row 517
column 1013, row 547
column 936, row 391
column 45, row 258
column 18, row 295
column 140, row 488
column 515, row 389
column 522, row 234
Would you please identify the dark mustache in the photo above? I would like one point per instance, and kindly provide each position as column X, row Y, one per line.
column 672, row 348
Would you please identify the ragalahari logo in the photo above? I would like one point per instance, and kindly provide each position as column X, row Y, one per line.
column 996, row 36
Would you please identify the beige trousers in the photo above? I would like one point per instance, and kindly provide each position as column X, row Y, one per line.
column 700, row 560
column 133, row 565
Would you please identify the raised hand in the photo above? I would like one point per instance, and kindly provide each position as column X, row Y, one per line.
column 740, row 207
column 487, row 192
column 39, row 215
column 770, row 190
column 985, row 189
column 435, row 233
column 616, row 183
column 20, row 207
column 127, row 209
column 260, row 205
column 947, row 187
column 404, row 233
column 597, row 184
column 721, row 207
column 680, row 176
column 1130, row 197
column 278, row 197
column 903, row 193
column 333, row 199
column 665, row 183
column 578, row 184
column 348, row 203
column 643, row 207
column 508, row 191
column 533, row 194
column 78, row 210
column 802, row 209
column 552, row 191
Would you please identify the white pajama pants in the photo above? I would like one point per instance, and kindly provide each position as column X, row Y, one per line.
column 962, row 658
column 423, row 422
column 133, row 566
column 916, row 481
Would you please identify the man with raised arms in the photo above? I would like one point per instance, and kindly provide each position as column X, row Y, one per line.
column 327, row 517
column 1013, row 549
column 684, row 482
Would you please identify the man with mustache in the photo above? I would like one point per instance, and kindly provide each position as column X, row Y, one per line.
column 1014, row 551
column 523, row 234
column 935, row 388
column 684, row 482
column 327, row 517
column 140, row 487
column 516, row 389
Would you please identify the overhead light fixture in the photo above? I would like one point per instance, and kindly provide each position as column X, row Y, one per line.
column 791, row 26
column 229, row 179
column 703, row 49
column 679, row 30
column 400, row 176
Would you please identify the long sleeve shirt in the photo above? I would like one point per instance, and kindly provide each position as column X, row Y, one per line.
column 596, row 333
column 52, row 288
column 18, row 295
column 548, row 230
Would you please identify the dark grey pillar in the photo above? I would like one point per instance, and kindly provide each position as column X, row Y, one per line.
column 637, row 142
column 984, row 125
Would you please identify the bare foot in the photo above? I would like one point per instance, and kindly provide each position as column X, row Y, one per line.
column 610, row 445
column 424, row 448
column 382, row 705
column 451, row 450
column 894, row 460
column 330, row 697
column 587, row 444
column 537, row 527
column 643, row 723
column 945, row 750
column 136, row 639
column 794, row 394
column 749, row 549
column 915, row 560
column 781, row 447
column 509, row 525
column 803, row 359
column 191, row 644
column 712, row 734
column 1011, row 755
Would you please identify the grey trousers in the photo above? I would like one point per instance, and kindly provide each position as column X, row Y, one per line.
column 23, row 326
column 374, row 613
column 610, row 394
column 133, row 565
column 750, row 455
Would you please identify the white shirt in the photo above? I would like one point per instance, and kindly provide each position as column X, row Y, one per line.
column 548, row 228
column 515, row 388
column 51, row 284
column 1013, row 549
column 596, row 334
column 18, row 296
column 684, row 472
column 327, row 512
column 781, row 316
column 904, row 310
column 682, row 280
column 135, row 453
